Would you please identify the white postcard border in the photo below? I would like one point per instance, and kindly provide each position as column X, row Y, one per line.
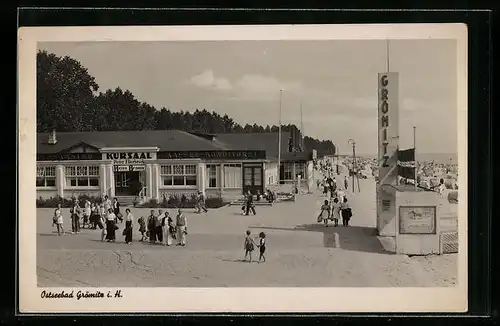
column 453, row 299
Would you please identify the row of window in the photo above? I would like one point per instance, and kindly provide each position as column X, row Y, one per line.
column 231, row 176
column 171, row 175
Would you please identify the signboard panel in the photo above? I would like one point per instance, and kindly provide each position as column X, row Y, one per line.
column 129, row 158
column 127, row 168
column 417, row 219
column 214, row 155
column 68, row 157
column 388, row 126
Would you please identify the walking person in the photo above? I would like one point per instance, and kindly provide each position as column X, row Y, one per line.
column 335, row 211
column 75, row 217
column 142, row 228
column 107, row 203
column 111, row 226
column 86, row 214
column 346, row 183
column 164, row 227
column 116, row 210
column 262, row 246
column 171, row 230
column 181, row 224
column 158, row 227
column 58, row 220
column 346, row 212
column 94, row 212
column 324, row 214
column 200, row 203
column 250, row 205
column 152, row 227
column 102, row 223
column 129, row 220
column 248, row 246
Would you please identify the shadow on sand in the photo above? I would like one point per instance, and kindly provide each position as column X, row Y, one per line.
column 353, row 238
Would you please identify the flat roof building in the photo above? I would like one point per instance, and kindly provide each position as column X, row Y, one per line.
column 156, row 163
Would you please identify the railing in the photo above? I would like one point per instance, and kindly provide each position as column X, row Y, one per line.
column 142, row 194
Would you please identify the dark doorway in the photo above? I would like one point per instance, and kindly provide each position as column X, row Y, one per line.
column 253, row 178
column 127, row 183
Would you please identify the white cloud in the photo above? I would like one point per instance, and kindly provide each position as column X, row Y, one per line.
column 207, row 79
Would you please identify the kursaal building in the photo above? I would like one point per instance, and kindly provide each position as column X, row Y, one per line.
column 158, row 163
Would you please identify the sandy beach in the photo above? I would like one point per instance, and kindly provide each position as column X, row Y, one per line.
column 300, row 253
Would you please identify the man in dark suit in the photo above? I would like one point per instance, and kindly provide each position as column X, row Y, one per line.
column 249, row 203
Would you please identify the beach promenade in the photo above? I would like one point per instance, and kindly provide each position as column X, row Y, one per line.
column 300, row 253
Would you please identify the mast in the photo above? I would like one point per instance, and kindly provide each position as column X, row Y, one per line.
column 301, row 129
column 279, row 140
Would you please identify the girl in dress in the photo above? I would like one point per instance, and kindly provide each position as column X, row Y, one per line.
column 324, row 214
column 129, row 219
column 262, row 246
column 249, row 246
column 58, row 220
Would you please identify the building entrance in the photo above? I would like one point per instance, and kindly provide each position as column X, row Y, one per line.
column 127, row 183
column 253, row 178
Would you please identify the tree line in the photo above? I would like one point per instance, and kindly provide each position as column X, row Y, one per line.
column 68, row 100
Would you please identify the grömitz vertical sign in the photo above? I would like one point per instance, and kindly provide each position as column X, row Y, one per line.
column 388, row 126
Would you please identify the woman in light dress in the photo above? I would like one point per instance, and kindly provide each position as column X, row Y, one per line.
column 58, row 220
column 324, row 214
column 336, row 206
column 86, row 214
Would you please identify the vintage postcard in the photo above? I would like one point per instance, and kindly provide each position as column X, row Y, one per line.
column 313, row 168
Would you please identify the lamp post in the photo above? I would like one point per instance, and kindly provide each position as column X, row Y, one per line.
column 354, row 164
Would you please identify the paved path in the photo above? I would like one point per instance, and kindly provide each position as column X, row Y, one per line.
column 301, row 252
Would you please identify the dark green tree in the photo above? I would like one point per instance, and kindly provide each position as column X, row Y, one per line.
column 64, row 94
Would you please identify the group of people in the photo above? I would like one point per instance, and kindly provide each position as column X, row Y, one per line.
column 337, row 208
column 162, row 229
column 334, row 210
column 250, row 244
column 91, row 215
column 159, row 228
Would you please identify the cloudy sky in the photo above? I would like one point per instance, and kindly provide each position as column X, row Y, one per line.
column 336, row 82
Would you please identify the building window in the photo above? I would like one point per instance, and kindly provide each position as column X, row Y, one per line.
column 178, row 175
column 212, row 175
column 300, row 169
column 232, row 176
column 82, row 176
column 287, row 170
column 46, row 176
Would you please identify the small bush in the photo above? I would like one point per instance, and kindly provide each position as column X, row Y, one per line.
column 215, row 202
column 52, row 202
column 183, row 201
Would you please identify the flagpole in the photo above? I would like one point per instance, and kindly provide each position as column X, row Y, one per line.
column 387, row 56
column 415, row 154
column 279, row 140
column 301, row 129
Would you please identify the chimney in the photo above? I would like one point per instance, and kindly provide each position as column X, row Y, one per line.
column 52, row 137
